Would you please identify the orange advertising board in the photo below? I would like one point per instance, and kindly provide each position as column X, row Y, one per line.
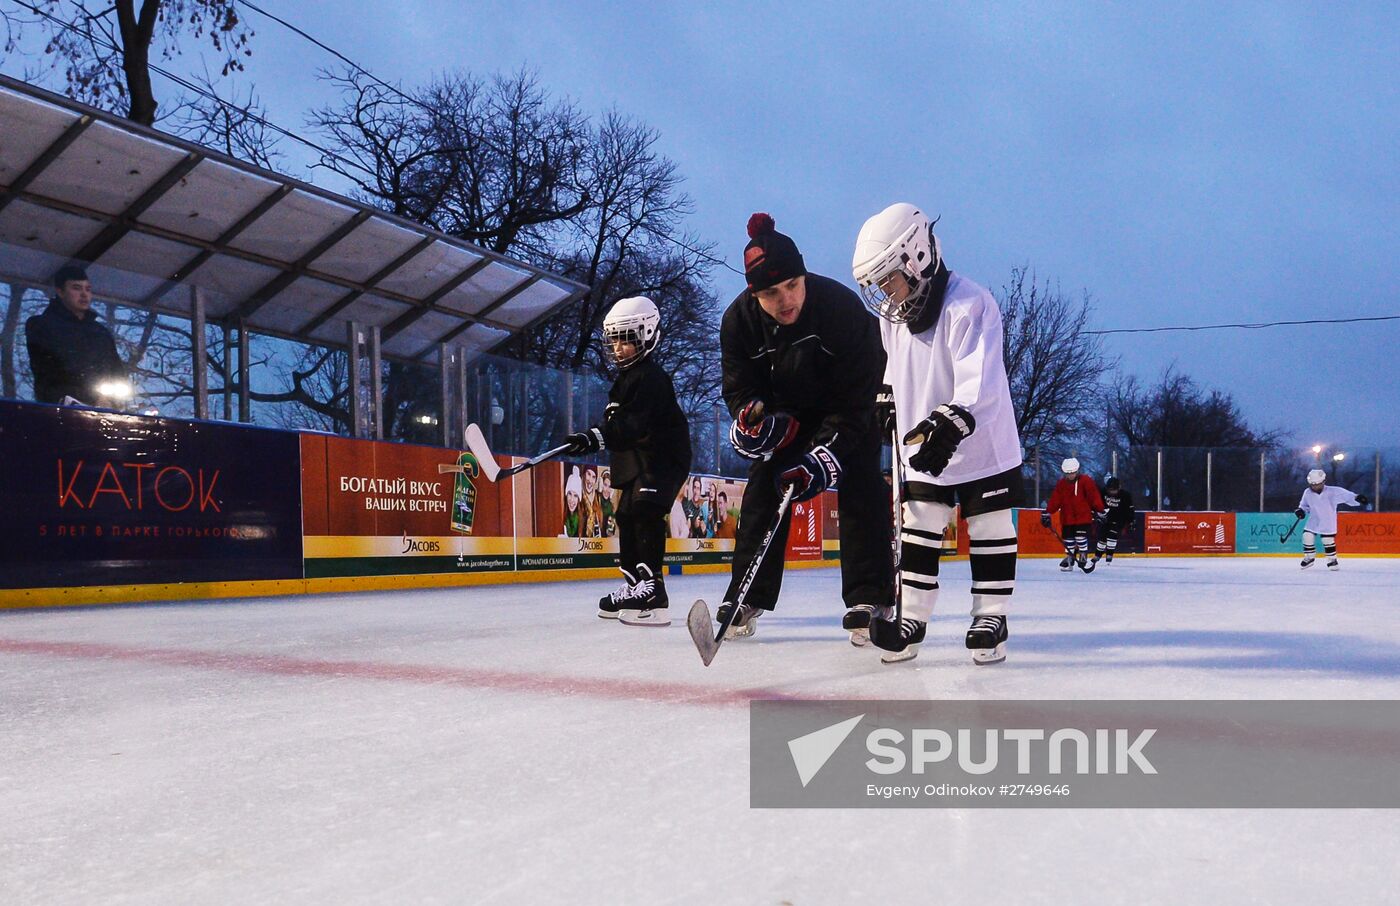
column 1368, row 533
column 1188, row 533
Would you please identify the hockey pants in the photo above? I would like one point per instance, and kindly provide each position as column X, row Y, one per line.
column 992, row 548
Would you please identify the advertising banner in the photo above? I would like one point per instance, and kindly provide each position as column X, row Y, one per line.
column 1188, row 533
column 805, row 533
column 98, row 498
column 1367, row 533
column 374, row 509
column 1261, row 533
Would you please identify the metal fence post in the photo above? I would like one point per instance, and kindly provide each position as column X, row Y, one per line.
column 245, row 399
column 376, row 384
column 1261, row 481
column 197, row 351
column 445, row 360
column 352, row 344
column 1037, row 476
column 1376, row 498
column 1115, row 464
column 1210, row 464
column 1160, row 504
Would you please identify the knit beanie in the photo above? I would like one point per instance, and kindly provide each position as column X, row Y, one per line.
column 770, row 257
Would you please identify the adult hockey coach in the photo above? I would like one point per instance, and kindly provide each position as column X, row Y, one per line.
column 802, row 365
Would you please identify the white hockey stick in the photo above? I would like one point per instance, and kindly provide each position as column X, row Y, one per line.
column 476, row 443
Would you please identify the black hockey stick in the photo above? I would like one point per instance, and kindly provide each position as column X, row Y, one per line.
column 1291, row 528
column 698, row 620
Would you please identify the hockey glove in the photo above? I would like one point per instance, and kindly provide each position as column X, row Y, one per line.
column 884, row 411
column 758, row 436
column 1362, row 499
column 590, row 441
column 1045, row 519
column 1300, row 513
column 818, row 470
column 938, row 437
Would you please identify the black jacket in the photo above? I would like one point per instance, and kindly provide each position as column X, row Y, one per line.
column 70, row 357
column 825, row 369
column 647, row 434
column 1120, row 507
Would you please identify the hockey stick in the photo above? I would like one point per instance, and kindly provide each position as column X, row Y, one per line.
column 698, row 620
column 1291, row 528
column 476, row 443
column 897, row 479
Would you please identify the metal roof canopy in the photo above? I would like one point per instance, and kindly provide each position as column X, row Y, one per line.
column 154, row 215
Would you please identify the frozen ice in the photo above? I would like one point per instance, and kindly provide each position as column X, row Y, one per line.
column 504, row 745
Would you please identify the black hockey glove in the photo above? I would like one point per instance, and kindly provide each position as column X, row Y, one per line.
column 590, row 441
column 938, row 437
column 1362, row 499
column 884, row 412
column 1045, row 519
column 1300, row 513
column 818, row 470
column 758, row 436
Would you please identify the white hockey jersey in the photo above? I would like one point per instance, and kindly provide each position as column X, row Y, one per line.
column 1322, row 508
column 957, row 360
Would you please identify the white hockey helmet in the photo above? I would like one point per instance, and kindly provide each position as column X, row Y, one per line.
column 898, row 240
column 635, row 321
column 1070, row 466
column 1317, row 476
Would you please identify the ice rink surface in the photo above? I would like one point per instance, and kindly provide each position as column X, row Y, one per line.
column 503, row 745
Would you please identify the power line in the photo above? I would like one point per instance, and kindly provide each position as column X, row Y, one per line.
column 184, row 83
column 374, row 78
column 1257, row 326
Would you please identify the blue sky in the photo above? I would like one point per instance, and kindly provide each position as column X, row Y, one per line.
column 1185, row 163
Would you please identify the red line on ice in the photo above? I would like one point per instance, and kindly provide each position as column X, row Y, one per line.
column 277, row 665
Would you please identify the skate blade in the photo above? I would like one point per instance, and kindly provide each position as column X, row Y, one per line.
column 896, row 657
column 644, row 618
column 701, row 631
column 740, row 632
column 860, row 638
column 607, row 614
column 984, row 656
column 1334, row 566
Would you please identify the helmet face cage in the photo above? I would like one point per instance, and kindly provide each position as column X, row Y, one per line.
column 641, row 336
column 878, row 282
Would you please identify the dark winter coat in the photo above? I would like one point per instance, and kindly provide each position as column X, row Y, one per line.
column 1120, row 507
column 824, row 369
column 647, row 434
column 70, row 356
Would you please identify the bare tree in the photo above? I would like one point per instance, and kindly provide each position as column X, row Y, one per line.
column 104, row 49
column 236, row 127
column 1055, row 366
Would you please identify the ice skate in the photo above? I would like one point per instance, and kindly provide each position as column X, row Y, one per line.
column 1307, row 561
column 1108, row 557
column 744, row 622
column 900, row 641
column 1333, row 564
column 647, row 605
column 610, row 603
column 986, row 638
column 1086, row 564
column 1065, row 565
column 857, row 623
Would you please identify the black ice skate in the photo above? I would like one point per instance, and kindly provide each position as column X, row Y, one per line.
column 1333, row 564
column 610, row 603
column 1086, row 564
column 1108, row 557
column 857, row 623
column 1307, row 561
column 1065, row 565
column 986, row 638
column 743, row 625
column 647, row 605
column 900, row 641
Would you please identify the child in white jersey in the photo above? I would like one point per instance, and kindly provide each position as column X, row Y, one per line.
column 1319, row 505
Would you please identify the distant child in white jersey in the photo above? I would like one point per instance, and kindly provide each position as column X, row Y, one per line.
column 1319, row 504
column 947, row 398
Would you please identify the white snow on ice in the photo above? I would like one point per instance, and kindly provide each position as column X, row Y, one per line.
column 503, row 745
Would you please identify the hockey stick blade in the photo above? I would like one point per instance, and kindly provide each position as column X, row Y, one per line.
column 476, row 443
column 444, row 468
column 698, row 622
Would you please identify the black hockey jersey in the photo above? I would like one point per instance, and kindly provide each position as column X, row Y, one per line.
column 647, row 434
column 824, row 369
column 1120, row 508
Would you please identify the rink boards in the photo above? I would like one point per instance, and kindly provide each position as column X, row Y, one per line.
column 106, row 508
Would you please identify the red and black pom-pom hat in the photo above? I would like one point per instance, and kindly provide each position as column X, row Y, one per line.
column 770, row 257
